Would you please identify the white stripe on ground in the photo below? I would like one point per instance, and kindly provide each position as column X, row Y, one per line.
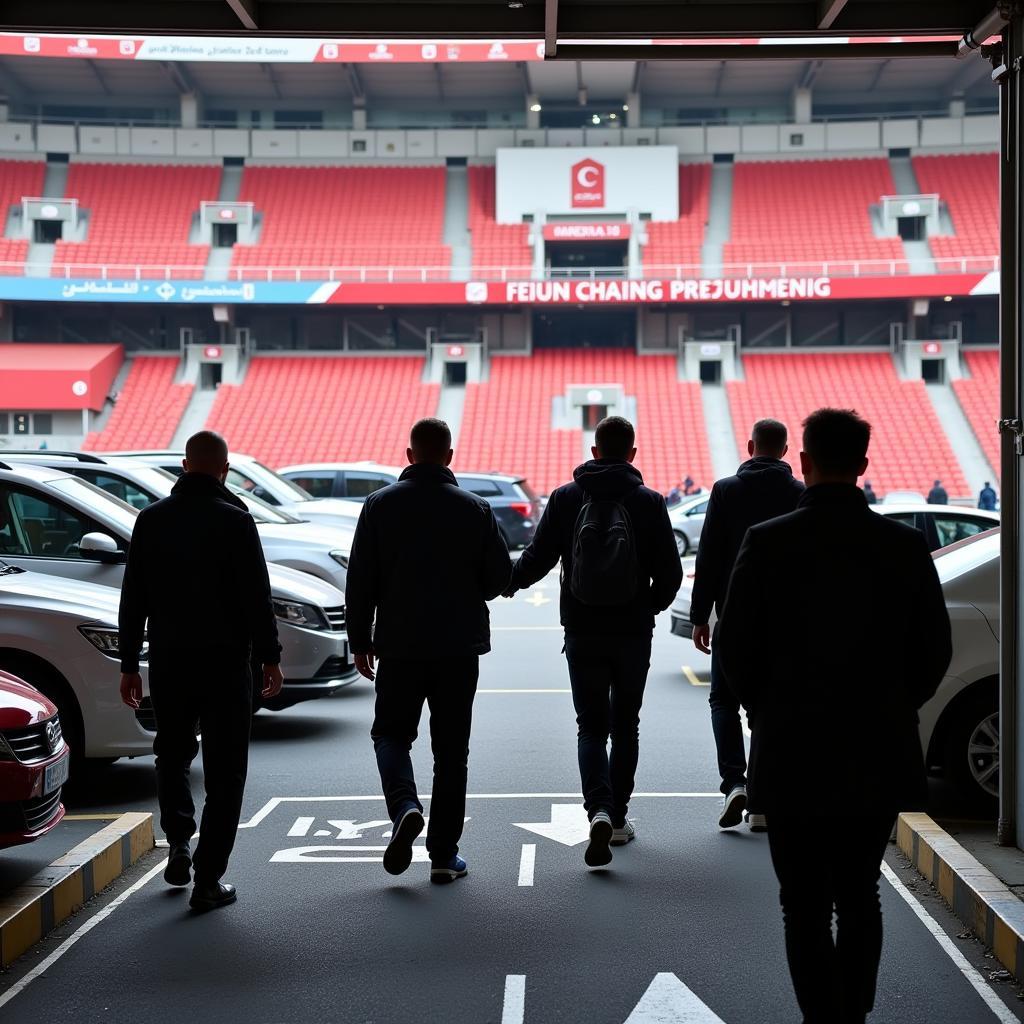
column 514, row 1009
column 526, row 863
column 526, row 629
column 968, row 970
column 523, row 691
column 97, row 918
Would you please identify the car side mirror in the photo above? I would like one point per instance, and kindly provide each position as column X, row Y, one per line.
column 102, row 548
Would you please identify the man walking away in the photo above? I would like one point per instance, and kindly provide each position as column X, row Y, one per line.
column 807, row 591
column 764, row 487
column 426, row 557
column 196, row 572
column 869, row 493
column 620, row 566
column 937, row 495
column 987, row 498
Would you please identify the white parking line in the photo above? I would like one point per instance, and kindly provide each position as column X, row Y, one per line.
column 514, row 1009
column 971, row 973
column 524, row 691
column 527, row 862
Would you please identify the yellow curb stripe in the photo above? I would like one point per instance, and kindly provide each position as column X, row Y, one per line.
column 53, row 895
column 693, row 678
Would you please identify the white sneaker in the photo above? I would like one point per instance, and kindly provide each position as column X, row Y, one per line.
column 598, row 852
column 757, row 822
column 733, row 807
column 626, row 834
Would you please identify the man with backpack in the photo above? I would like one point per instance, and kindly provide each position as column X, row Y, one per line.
column 620, row 567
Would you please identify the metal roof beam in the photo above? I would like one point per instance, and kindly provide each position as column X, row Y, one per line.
column 550, row 28
column 355, row 81
column 877, row 77
column 268, row 70
column 828, row 12
column 245, row 11
column 10, row 83
column 781, row 51
column 179, row 74
column 98, row 75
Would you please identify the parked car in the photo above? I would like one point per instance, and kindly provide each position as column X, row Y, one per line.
column 687, row 518
column 316, row 548
column 252, row 476
column 34, row 762
column 55, row 523
column 517, row 507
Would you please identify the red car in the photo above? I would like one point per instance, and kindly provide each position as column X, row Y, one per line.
column 34, row 763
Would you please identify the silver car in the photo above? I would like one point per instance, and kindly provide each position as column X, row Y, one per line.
column 55, row 523
column 687, row 520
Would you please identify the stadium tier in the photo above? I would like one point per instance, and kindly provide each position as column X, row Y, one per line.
column 809, row 211
column 979, row 398
column 908, row 448
column 507, row 421
column 969, row 185
column 18, row 179
column 347, row 217
column 310, row 409
column 138, row 214
column 494, row 245
column 148, row 409
column 678, row 242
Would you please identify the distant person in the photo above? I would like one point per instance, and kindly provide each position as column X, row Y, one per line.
column 674, row 496
column 689, row 487
column 937, row 495
column 764, row 487
column 987, row 498
column 426, row 557
column 810, row 592
column 869, row 493
column 196, row 572
column 620, row 567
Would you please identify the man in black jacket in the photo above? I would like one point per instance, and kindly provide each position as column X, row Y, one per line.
column 196, row 572
column 835, row 628
column 425, row 559
column 764, row 487
column 607, row 646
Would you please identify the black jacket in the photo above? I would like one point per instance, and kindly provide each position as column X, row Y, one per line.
column 762, row 489
column 426, row 557
column 938, row 496
column 196, row 571
column 833, row 635
column 657, row 555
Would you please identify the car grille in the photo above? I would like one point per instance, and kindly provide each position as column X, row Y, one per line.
column 144, row 715
column 32, row 744
column 29, row 815
column 335, row 618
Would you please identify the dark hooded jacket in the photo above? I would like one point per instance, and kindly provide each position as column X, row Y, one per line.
column 657, row 555
column 762, row 489
column 196, row 571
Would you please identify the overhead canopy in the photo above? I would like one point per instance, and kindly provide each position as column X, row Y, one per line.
column 57, row 376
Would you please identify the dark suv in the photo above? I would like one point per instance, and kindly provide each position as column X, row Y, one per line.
column 516, row 506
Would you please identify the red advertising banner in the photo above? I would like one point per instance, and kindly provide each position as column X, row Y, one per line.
column 614, row 231
column 587, row 183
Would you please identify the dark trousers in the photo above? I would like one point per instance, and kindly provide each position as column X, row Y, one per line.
column 448, row 686
column 728, row 729
column 608, row 675
column 213, row 691
column 834, row 980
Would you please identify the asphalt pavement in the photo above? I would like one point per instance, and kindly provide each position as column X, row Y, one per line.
column 684, row 926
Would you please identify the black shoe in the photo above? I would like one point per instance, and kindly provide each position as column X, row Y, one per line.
column 598, row 852
column 398, row 855
column 179, row 864
column 211, row 897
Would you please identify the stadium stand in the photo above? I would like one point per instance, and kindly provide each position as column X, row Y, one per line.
column 494, row 245
column 969, row 185
column 812, row 211
column 506, row 422
column 908, row 448
column 679, row 242
column 148, row 409
column 19, row 179
column 352, row 217
column 979, row 398
column 139, row 215
column 321, row 408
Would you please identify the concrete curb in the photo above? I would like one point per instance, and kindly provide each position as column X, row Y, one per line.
column 35, row 908
column 989, row 909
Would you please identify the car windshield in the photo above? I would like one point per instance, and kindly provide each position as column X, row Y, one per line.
column 98, row 501
column 966, row 554
column 260, row 510
column 297, row 492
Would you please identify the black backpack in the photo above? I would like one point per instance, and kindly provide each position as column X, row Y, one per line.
column 604, row 563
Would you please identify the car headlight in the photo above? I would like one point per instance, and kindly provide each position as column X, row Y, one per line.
column 340, row 557
column 107, row 640
column 298, row 614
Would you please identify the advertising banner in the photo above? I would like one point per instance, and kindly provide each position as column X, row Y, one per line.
column 616, row 231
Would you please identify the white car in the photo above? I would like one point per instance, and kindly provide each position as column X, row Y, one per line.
column 687, row 520
column 57, row 524
column 353, row 481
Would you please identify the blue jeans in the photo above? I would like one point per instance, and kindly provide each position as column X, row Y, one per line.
column 608, row 675
column 728, row 730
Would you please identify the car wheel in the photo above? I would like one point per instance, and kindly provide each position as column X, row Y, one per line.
column 682, row 543
column 972, row 747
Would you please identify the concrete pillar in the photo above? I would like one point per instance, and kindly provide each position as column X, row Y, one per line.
column 190, row 110
column 5, row 110
column 532, row 110
column 359, row 113
column 802, row 105
column 957, row 107
column 633, row 114
column 537, row 233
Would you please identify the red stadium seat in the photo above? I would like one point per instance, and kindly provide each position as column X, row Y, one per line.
column 495, row 245
column 979, row 398
column 19, row 179
column 969, row 185
column 678, row 242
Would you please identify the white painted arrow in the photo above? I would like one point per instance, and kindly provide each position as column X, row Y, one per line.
column 568, row 825
column 668, row 1001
